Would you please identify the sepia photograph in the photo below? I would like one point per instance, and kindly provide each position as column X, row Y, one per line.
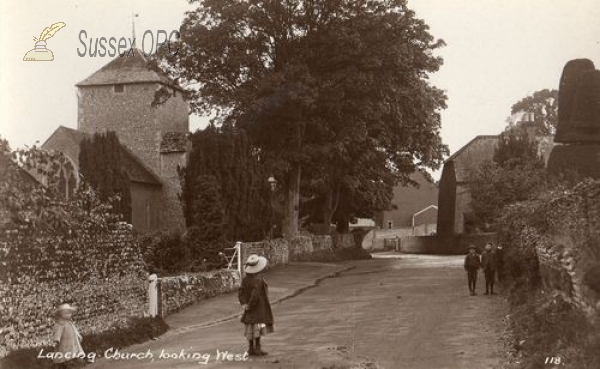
column 300, row 184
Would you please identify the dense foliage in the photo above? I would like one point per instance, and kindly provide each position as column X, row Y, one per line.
column 224, row 187
column 335, row 94
column 515, row 174
column 543, row 314
column 199, row 247
column 101, row 166
column 27, row 201
column 544, row 106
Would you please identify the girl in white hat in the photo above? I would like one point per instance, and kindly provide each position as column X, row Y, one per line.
column 68, row 349
column 254, row 297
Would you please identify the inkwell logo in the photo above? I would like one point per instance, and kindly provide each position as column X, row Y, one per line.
column 40, row 52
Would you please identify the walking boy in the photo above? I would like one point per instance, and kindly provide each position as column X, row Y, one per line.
column 489, row 264
column 472, row 265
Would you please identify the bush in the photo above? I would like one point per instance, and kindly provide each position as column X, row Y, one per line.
column 548, row 324
column 164, row 252
column 205, row 254
column 172, row 253
column 138, row 331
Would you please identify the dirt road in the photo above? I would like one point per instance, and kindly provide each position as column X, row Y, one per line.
column 412, row 313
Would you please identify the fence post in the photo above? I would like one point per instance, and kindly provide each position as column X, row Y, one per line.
column 153, row 295
column 240, row 259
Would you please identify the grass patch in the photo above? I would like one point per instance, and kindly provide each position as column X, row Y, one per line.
column 139, row 330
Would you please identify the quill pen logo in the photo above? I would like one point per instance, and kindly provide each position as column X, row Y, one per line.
column 40, row 52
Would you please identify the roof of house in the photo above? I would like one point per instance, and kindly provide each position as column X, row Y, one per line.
column 174, row 142
column 491, row 138
column 424, row 210
column 133, row 67
column 136, row 170
column 471, row 155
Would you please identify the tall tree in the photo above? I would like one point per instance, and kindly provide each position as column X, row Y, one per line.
column 102, row 167
column 225, row 154
column 543, row 105
column 336, row 85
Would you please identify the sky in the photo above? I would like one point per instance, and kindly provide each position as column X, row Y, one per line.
column 498, row 51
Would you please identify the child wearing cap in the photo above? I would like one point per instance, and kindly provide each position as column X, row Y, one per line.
column 472, row 265
column 67, row 338
column 254, row 298
column 489, row 264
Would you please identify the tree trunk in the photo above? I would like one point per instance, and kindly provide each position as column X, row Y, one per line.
column 330, row 205
column 328, row 208
column 342, row 224
column 292, row 204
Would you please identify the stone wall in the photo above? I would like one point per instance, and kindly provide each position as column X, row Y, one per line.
column 375, row 239
column 178, row 292
column 420, row 245
column 571, row 251
column 343, row 240
column 276, row 251
column 321, row 243
column 555, row 239
column 101, row 273
column 302, row 247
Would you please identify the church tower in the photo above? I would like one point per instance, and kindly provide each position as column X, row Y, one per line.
column 118, row 98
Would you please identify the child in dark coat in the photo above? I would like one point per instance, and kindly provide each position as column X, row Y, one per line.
column 489, row 265
column 472, row 265
column 254, row 298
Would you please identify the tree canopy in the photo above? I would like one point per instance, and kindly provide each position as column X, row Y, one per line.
column 544, row 106
column 335, row 93
column 516, row 174
column 102, row 167
column 222, row 165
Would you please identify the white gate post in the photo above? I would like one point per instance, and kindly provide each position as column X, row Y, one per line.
column 153, row 295
column 240, row 263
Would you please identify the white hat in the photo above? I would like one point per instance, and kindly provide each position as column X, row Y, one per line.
column 64, row 307
column 255, row 264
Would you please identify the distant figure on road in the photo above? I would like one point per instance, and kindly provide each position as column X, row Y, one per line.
column 472, row 265
column 489, row 263
column 254, row 297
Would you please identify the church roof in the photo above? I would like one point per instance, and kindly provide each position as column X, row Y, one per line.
column 470, row 156
column 133, row 67
column 67, row 140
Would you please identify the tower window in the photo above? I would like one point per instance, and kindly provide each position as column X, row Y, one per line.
column 119, row 88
